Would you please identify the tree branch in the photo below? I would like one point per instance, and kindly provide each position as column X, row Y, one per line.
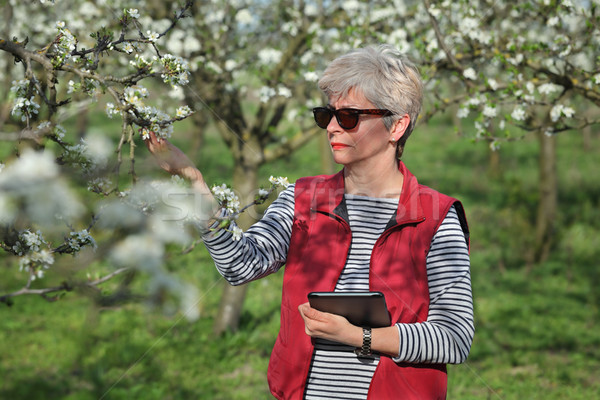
column 440, row 38
column 292, row 144
column 63, row 287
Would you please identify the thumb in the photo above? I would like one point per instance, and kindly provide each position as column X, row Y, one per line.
column 307, row 311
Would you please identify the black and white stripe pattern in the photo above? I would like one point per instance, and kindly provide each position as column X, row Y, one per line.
column 336, row 371
column 444, row 338
column 447, row 334
column 368, row 218
column 262, row 249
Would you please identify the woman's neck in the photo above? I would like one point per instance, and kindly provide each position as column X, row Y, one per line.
column 373, row 182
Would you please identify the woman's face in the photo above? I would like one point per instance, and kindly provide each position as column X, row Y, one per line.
column 368, row 143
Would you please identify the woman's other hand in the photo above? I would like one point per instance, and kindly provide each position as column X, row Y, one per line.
column 334, row 327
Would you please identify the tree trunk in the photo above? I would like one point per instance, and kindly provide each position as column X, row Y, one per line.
column 82, row 122
column 327, row 163
column 245, row 184
column 587, row 138
column 548, row 203
column 494, row 169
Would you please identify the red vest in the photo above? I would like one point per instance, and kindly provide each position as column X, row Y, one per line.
column 317, row 255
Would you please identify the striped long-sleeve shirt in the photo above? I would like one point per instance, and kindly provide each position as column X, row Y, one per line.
column 445, row 337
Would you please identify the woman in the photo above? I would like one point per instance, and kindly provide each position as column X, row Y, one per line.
column 370, row 227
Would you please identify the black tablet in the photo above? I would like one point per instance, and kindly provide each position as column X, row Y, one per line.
column 367, row 309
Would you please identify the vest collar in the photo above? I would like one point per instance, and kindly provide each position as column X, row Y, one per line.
column 328, row 197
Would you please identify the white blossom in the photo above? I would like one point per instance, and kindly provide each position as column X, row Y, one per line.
column 77, row 240
column 290, row 28
column 226, row 197
column 32, row 240
column 312, row 76
column 351, row 6
column 518, row 114
column 214, row 67
column 559, row 111
column 480, row 129
column 463, row 112
column 284, row 92
column 25, row 108
column 133, row 13
column 556, row 112
column 266, row 93
column 59, row 131
column 183, row 111
column 70, row 86
column 311, row 10
column 111, row 110
column 493, row 84
column 474, row 101
column 140, row 62
column 489, row 111
column 381, row 14
column 230, row 65
column 138, row 251
column 470, row 73
column 269, row 56
column 20, row 87
column 517, row 59
column 549, row 88
column 30, row 166
column 176, row 70
column 434, row 11
column 236, row 232
column 244, row 17
column 135, row 94
column 99, row 185
column 494, row 145
column 530, row 87
column 152, row 36
column 98, row 149
column 215, row 17
column 128, row 48
column 279, row 181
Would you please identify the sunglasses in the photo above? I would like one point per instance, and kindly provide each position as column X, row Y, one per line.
column 347, row 118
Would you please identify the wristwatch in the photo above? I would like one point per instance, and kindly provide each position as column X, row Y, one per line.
column 365, row 350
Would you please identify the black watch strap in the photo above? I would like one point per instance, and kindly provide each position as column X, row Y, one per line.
column 365, row 349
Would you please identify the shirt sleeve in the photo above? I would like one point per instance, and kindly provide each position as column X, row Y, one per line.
column 261, row 250
column 447, row 334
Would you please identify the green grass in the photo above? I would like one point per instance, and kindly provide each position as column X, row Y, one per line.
column 537, row 331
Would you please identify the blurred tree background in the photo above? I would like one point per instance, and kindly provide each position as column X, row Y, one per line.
column 510, row 126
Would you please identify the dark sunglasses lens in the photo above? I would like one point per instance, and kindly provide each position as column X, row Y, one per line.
column 347, row 119
column 322, row 116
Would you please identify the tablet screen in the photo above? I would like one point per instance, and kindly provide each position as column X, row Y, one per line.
column 366, row 309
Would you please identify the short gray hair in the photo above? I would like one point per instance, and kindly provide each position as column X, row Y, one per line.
column 386, row 77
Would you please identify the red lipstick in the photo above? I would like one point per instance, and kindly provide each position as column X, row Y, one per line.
column 338, row 146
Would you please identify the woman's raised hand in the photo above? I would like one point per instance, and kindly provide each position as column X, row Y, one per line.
column 172, row 159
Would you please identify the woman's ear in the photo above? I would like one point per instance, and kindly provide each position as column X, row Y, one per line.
column 399, row 128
